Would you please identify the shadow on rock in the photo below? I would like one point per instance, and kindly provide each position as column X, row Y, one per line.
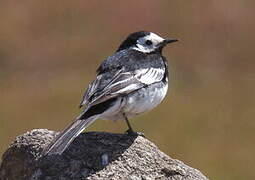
column 90, row 152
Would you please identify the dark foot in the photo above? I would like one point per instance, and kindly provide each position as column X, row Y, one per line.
column 133, row 133
column 130, row 131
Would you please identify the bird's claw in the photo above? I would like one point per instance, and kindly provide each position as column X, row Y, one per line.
column 133, row 133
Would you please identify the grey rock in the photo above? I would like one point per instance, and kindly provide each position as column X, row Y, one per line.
column 92, row 156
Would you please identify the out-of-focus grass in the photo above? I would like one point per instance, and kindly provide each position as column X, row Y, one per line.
column 49, row 52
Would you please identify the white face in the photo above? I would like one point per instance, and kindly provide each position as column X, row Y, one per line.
column 148, row 43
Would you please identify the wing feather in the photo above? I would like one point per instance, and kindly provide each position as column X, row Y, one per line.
column 121, row 83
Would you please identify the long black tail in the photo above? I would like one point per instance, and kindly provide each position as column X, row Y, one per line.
column 62, row 141
column 88, row 116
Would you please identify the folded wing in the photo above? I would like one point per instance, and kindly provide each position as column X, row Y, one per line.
column 120, row 83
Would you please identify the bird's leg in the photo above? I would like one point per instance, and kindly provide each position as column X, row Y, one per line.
column 130, row 130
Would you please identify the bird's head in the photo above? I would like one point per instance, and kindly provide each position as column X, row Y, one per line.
column 145, row 42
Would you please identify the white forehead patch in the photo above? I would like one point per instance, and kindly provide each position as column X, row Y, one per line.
column 143, row 47
column 154, row 37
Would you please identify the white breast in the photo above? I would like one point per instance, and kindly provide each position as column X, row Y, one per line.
column 145, row 99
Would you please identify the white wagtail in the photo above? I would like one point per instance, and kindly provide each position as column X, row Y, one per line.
column 132, row 81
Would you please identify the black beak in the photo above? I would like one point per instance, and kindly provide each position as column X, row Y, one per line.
column 168, row 41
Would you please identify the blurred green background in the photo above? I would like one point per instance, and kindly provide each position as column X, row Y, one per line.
column 49, row 51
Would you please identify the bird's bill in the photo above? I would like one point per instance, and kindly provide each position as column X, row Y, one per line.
column 168, row 41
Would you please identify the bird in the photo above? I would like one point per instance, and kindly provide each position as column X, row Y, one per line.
column 132, row 81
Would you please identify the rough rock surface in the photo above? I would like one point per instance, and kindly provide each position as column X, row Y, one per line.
column 93, row 155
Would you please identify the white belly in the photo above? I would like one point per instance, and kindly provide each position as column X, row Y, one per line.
column 144, row 99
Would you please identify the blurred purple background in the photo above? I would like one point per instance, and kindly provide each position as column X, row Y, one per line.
column 49, row 51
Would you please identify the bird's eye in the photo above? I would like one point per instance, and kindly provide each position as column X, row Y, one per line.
column 148, row 42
